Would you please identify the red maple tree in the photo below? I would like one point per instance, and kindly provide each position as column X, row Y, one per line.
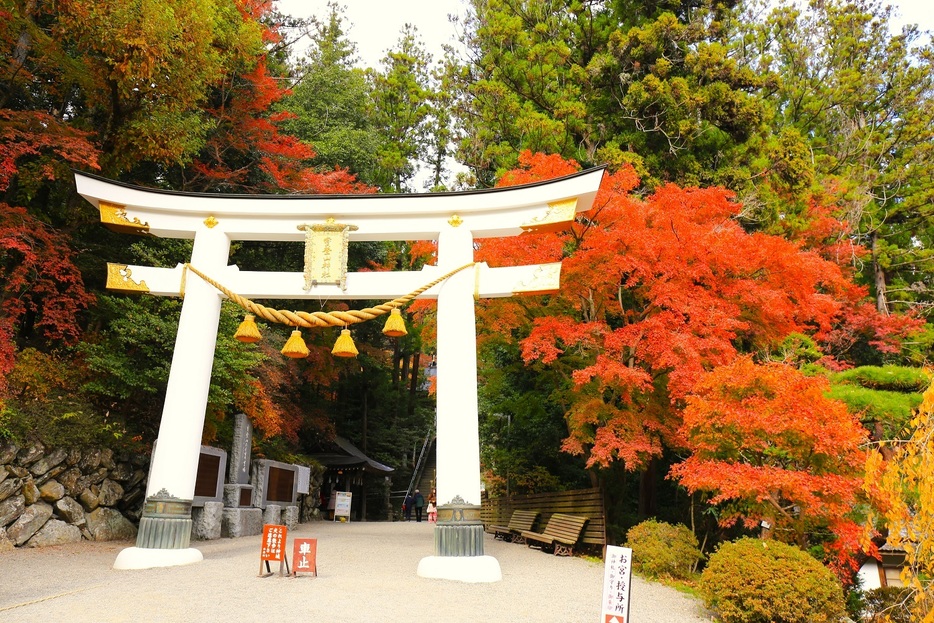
column 654, row 293
column 38, row 279
column 772, row 450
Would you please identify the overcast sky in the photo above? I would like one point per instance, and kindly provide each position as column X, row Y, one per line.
column 375, row 24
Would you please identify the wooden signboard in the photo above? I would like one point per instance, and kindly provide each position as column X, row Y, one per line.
column 617, row 578
column 304, row 556
column 342, row 506
column 273, row 548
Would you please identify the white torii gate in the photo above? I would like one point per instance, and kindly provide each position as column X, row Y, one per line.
column 214, row 220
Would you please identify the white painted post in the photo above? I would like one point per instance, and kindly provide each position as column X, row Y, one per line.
column 165, row 527
column 459, row 531
column 458, row 450
column 175, row 460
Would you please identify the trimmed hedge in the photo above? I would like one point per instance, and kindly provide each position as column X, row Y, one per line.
column 755, row 581
column 662, row 549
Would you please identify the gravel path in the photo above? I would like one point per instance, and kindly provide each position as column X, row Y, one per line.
column 366, row 573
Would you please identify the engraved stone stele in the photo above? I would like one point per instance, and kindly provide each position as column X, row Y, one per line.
column 239, row 466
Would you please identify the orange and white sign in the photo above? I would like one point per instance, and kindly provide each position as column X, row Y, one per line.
column 273, row 548
column 617, row 580
column 273, row 542
column 304, row 555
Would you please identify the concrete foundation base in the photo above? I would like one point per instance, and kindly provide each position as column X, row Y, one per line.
column 472, row 569
column 145, row 558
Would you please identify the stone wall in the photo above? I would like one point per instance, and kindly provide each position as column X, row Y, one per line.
column 50, row 496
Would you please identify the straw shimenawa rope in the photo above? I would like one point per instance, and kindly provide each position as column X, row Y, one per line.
column 320, row 318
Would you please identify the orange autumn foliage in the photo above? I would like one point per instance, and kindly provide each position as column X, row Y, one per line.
column 769, row 446
column 656, row 291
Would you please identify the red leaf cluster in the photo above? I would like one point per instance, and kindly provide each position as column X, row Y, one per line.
column 247, row 137
column 38, row 277
column 40, row 140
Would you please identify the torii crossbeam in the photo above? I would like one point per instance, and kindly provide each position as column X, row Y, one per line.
column 455, row 220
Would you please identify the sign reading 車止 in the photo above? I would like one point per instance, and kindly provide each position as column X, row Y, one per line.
column 273, row 548
column 304, row 556
column 617, row 577
column 342, row 507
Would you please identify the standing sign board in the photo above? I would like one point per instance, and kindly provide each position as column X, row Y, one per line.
column 273, row 548
column 304, row 556
column 617, row 578
column 342, row 507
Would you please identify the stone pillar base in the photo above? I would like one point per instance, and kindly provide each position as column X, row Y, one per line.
column 145, row 558
column 458, row 540
column 165, row 524
column 459, row 531
column 163, row 537
column 472, row 569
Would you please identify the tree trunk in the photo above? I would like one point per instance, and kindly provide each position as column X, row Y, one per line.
column 395, row 364
column 878, row 278
column 768, row 527
column 413, row 383
column 647, row 489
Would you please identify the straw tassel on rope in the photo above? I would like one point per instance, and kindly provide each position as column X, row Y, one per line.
column 248, row 332
column 295, row 347
column 344, row 346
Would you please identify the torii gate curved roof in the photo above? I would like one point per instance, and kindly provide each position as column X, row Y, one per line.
column 486, row 213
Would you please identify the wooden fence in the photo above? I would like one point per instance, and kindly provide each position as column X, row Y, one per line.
column 586, row 502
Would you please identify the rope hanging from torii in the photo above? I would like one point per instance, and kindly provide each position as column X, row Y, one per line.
column 295, row 347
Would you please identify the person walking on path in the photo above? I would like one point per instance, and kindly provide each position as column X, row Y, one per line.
column 407, row 506
column 419, row 505
column 432, row 511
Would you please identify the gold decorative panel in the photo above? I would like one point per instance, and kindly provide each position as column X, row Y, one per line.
column 114, row 217
column 555, row 217
column 119, row 278
column 545, row 280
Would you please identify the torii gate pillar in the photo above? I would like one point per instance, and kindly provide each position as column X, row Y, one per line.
column 459, row 531
column 165, row 527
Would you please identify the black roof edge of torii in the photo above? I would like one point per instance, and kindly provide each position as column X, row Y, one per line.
column 409, row 196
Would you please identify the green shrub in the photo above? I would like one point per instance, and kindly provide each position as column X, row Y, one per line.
column 887, row 378
column 755, row 581
column 887, row 605
column 661, row 549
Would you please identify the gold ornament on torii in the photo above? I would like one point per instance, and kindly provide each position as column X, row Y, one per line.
column 326, row 253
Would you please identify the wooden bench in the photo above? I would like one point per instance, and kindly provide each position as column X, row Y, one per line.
column 561, row 533
column 582, row 502
column 519, row 522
